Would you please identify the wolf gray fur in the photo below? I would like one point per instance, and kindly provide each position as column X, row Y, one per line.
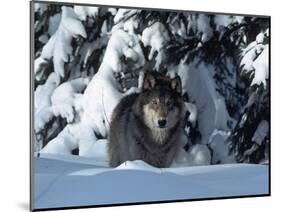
column 148, row 126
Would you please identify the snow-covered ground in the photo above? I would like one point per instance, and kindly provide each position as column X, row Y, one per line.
column 68, row 180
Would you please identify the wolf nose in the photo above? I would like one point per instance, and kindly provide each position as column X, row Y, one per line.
column 162, row 123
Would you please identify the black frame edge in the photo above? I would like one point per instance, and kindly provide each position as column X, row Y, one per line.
column 31, row 108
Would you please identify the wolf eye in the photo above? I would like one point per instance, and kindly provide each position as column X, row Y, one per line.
column 169, row 103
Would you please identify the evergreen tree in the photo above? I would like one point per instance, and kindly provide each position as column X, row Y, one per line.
column 221, row 59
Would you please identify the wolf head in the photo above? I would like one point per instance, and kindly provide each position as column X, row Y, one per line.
column 163, row 104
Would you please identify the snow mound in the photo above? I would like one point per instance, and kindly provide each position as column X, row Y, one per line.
column 56, row 181
column 137, row 165
column 197, row 155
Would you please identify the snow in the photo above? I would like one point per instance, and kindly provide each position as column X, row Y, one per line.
column 90, row 47
column 177, row 26
column 58, row 177
column 197, row 155
column 261, row 67
column 261, row 132
column 217, row 142
column 64, row 98
column 155, row 36
column 200, row 154
column 226, row 20
column 59, row 46
column 193, row 112
column 129, row 25
column 64, row 143
column 41, row 8
column 137, row 165
column 204, row 27
column 207, row 108
column 97, row 150
column 85, row 99
column 260, row 37
column 95, row 107
column 84, row 12
column 43, row 39
column 211, row 111
column 39, row 63
column 54, row 23
column 123, row 12
column 221, row 116
column 255, row 60
column 42, row 103
column 103, row 92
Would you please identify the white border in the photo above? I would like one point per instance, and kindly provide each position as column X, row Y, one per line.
column 14, row 87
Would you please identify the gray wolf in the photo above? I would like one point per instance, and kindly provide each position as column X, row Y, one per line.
column 148, row 125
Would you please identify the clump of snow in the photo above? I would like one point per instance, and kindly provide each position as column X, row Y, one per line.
column 171, row 74
column 123, row 12
column 203, row 23
column 155, row 36
column 261, row 67
column 137, row 165
column 90, row 47
column 59, row 46
column 222, row 115
column 140, row 80
column 64, row 143
column 39, row 65
column 261, row 132
column 125, row 20
column 177, row 26
column 260, row 38
column 95, row 149
column 130, row 26
column 200, row 154
column 197, row 155
column 210, row 109
column 54, row 23
column 103, row 92
column 226, row 20
column 217, row 142
column 192, row 109
column 42, row 103
column 42, row 117
column 40, row 7
column 64, row 98
column 84, row 12
column 43, row 39
column 255, row 59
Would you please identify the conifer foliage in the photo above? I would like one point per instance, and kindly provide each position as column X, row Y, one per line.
column 87, row 58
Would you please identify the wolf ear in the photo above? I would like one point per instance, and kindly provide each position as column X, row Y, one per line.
column 176, row 84
column 149, row 81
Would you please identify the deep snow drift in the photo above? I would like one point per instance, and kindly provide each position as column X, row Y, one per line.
column 67, row 180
